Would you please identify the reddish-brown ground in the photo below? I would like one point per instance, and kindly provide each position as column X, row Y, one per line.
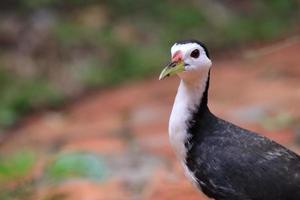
column 257, row 89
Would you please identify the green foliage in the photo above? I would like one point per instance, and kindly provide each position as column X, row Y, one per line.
column 76, row 165
column 14, row 170
column 70, row 34
column 18, row 96
column 131, row 42
column 134, row 62
column 15, row 167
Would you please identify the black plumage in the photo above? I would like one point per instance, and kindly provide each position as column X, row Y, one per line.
column 231, row 163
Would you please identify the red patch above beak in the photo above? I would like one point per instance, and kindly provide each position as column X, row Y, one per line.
column 177, row 56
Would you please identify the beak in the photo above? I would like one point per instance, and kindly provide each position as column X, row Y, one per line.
column 171, row 69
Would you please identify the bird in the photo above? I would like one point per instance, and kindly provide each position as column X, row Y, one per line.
column 223, row 160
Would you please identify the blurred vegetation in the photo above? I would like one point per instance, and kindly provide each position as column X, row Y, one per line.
column 72, row 165
column 56, row 49
column 17, row 96
column 14, row 172
column 18, row 178
column 15, row 166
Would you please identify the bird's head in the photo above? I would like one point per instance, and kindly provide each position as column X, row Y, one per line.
column 189, row 58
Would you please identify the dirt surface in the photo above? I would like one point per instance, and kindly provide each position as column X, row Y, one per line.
column 127, row 126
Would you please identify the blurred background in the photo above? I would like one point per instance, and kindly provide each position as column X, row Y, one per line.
column 82, row 114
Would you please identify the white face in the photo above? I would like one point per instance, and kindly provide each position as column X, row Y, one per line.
column 193, row 55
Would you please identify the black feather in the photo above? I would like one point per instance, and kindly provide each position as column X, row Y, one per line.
column 231, row 163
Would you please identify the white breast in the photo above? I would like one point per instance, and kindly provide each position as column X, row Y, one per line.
column 187, row 99
column 178, row 126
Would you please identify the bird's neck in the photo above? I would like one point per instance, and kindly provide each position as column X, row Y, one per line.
column 189, row 106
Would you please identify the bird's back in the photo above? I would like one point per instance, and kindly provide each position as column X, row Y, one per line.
column 232, row 163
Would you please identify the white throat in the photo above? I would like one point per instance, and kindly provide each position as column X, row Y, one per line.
column 187, row 100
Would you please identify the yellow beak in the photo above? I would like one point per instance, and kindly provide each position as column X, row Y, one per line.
column 171, row 69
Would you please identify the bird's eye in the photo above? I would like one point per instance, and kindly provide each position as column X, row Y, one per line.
column 195, row 53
